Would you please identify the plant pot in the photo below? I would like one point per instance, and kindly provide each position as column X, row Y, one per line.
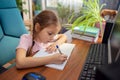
column 101, row 29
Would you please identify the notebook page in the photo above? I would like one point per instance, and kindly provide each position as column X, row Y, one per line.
column 65, row 48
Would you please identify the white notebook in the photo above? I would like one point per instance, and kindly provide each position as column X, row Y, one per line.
column 65, row 48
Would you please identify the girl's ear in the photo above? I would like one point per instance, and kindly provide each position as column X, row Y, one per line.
column 37, row 27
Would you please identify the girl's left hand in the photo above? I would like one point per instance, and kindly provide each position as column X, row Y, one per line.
column 51, row 48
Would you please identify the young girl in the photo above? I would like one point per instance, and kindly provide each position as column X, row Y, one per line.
column 46, row 27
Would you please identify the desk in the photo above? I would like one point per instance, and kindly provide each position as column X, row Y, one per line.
column 70, row 72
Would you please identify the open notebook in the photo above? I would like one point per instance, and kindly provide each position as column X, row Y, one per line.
column 65, row 48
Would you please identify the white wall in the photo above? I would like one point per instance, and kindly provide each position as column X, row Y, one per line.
column 27, row 6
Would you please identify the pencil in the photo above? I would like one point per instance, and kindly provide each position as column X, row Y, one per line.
column 58, row 49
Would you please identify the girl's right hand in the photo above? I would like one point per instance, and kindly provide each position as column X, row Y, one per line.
column 59, row 58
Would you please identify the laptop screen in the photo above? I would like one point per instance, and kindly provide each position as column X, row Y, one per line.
column 114, row 40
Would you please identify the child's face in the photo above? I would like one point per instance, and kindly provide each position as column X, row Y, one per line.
column 47, row 34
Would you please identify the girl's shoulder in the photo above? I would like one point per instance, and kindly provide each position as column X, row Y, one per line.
column 25, row 41
column 28, row 36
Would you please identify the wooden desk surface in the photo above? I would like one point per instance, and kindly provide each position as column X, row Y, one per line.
column 70, row 72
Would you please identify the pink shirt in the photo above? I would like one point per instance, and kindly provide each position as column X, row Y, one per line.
column 26, row 42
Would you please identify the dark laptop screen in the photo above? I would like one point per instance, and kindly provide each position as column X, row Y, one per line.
column 114, row 39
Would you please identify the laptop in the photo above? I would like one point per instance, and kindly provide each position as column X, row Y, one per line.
column 102, row 55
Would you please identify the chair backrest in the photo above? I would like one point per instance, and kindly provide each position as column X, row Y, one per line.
column 10, row 18
column 11, row 28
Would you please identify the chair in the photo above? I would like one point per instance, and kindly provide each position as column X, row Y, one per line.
column 108, row 14
column 11, row 28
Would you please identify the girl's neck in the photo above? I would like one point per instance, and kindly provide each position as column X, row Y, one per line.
column 37, row 40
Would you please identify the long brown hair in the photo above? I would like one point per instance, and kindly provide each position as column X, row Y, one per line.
column 44, row 19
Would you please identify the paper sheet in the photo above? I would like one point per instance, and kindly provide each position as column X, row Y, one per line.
column 65, row 48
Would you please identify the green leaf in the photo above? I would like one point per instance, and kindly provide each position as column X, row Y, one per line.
column 90, row 14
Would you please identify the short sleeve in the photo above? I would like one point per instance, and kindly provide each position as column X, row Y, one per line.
column 25, row 41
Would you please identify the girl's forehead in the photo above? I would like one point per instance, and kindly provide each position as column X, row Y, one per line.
column 53, row 28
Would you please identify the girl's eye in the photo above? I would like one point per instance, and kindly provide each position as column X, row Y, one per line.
column 49, row 33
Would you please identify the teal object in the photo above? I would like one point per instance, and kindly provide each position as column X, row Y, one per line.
column 12, row 22
column 90, row 31
column 1, row 33
column 7, row 4
column 7, row 49
column 11, row 28
column 36, row 12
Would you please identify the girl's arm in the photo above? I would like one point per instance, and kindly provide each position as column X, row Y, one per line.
column 25, row 62
column 61, row 39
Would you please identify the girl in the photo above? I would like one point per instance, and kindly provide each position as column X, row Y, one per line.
column 46, row 26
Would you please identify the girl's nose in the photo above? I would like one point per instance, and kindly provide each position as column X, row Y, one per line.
column 52, row 37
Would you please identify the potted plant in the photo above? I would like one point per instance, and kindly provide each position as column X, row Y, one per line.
column 90, row 15
column 37, row 9
column 19, row 5
column 64, row 13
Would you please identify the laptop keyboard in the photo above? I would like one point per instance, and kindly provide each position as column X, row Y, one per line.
column 97, row 56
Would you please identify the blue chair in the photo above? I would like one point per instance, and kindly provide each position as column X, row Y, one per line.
column 11, row 28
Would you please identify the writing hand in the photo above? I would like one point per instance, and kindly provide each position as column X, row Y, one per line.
column 59, row 58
